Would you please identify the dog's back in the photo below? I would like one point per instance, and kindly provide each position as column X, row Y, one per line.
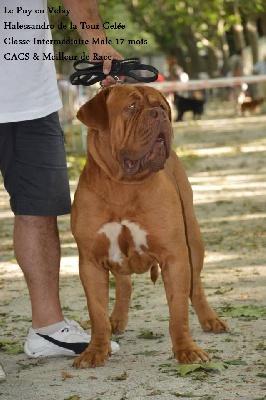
column 184, row 104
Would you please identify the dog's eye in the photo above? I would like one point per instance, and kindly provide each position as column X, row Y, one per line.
column 132, row 106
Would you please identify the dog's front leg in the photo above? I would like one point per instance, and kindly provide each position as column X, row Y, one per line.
column 119, row 316
column 176, row 278
column 95, row 281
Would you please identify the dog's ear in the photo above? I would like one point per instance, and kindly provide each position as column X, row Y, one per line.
column 94, row 113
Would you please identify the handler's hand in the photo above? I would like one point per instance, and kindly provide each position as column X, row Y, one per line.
column 107, row 53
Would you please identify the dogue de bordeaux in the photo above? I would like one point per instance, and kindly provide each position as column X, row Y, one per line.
column 133, row 212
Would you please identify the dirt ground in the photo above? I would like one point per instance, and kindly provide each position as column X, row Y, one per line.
column 225, row 162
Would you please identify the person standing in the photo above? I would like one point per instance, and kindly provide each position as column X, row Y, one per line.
column 33, row 161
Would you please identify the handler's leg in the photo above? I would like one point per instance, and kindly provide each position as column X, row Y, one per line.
column 33, row 165
column 37, row 249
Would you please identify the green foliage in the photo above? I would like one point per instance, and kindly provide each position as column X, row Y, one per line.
column 75, row 164
column 114, row 11
column 75, row 397
column 35, row 363
column 11, row 347
column 150, row 335
column 187, row 369
column 247, row 312
column 122, row 377
column 236, row 362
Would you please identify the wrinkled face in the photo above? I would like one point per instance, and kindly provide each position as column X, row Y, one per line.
column 138, row 121
column 145, row 126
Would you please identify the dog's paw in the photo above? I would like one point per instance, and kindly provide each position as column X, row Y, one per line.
column 191, row 355
column 91, row 359
column 118, row 327
column 215, row 325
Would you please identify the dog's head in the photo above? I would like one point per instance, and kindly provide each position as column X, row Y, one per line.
column 133, row 123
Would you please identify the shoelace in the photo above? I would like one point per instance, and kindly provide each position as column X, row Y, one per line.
column 88, row 75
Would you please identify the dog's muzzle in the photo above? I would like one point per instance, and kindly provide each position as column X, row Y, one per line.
column 154, row 159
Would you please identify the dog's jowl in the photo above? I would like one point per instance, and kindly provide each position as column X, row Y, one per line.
column 133, row 212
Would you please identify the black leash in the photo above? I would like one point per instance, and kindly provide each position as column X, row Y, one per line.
column 89, row 75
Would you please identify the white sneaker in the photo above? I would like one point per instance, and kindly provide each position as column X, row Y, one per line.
column 71, row 340
column 2, row 374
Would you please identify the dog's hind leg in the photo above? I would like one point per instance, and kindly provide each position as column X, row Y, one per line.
column 208, row 319
column 175, row 269
column 119, row 316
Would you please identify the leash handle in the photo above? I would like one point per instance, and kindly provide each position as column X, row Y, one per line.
column 89, row 72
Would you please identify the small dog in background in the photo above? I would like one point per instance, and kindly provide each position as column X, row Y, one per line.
column 251, row 105
column 194, row 104
column 248, row 103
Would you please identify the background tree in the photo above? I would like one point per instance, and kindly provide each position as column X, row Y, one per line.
column 124, row 40
column 192, row 30
column 202, row 35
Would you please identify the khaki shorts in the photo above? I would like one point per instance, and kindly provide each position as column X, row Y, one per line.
column 33, row 165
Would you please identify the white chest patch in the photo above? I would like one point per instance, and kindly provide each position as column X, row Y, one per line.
column 113, row 229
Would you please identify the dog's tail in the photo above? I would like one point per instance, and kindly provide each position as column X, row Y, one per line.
column 154, row 273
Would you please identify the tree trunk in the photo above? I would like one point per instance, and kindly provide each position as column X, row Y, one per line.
column 212, row 62
column 224, row 47
column 263, row 23
column 238, row 31
column 195, row 63
column 252, row 36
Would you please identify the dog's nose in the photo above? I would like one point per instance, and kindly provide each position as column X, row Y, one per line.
column 158, row 112
column 154, row 113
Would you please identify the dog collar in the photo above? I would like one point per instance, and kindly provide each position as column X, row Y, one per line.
column 88, row 75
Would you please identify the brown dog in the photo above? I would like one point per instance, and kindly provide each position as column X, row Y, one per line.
column 133, row 211
column 251, row 105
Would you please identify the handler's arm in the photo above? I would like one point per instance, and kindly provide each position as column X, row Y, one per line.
column 87, row 11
